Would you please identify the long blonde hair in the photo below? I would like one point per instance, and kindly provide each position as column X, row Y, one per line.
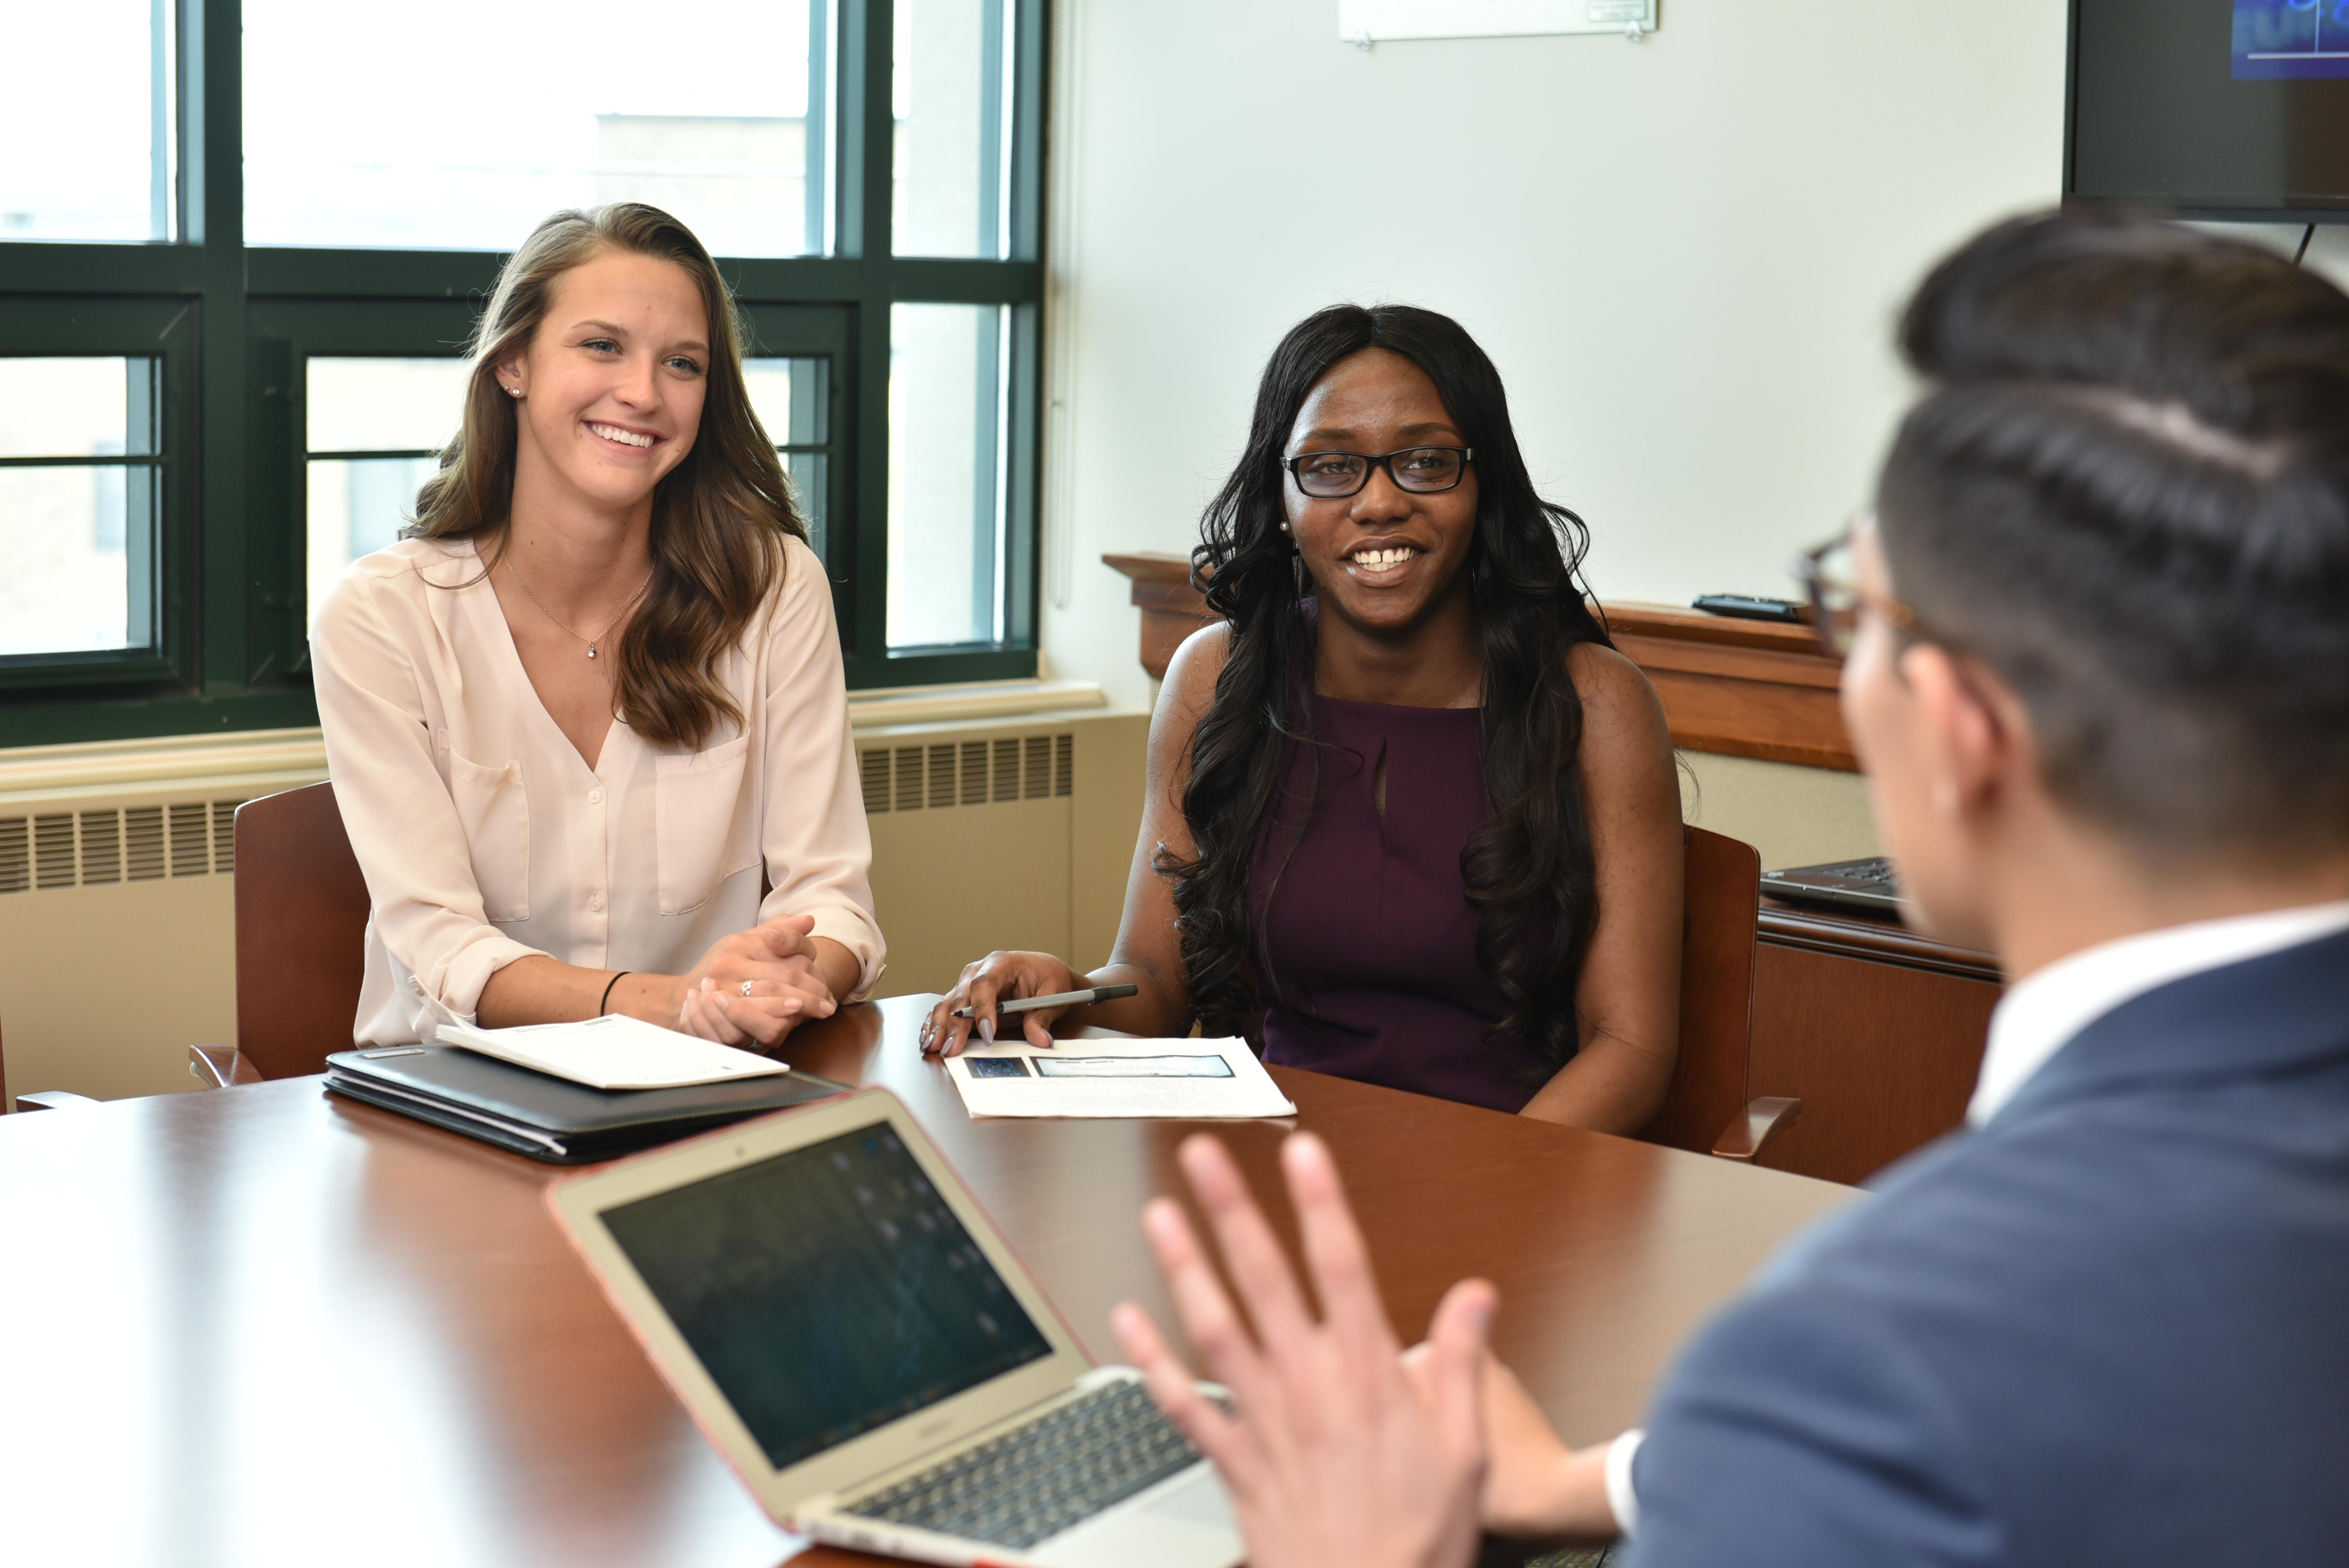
column 719, row 517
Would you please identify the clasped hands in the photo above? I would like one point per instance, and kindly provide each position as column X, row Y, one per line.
column 777, row 962
column 1341, row 1448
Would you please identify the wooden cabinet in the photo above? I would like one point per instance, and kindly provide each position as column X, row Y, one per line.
column 1877, row 1030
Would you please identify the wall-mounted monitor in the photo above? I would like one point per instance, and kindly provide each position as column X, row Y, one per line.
column 2217, row 108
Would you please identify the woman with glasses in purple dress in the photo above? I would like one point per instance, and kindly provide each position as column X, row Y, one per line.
column 1412, row 820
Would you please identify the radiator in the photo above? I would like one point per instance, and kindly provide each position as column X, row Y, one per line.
column 1007, row 834
column 117, row 863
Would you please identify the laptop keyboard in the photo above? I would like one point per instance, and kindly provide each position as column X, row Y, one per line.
column 1039, row 1479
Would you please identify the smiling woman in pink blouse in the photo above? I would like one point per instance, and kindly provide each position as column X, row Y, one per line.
column 587, row 723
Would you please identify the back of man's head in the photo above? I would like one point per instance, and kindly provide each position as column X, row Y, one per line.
column 2127, row 492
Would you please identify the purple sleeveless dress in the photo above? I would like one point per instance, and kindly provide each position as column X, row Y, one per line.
column 1365, row 943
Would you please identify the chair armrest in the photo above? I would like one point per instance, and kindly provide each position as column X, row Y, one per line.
column 218, row 1067
column 1750, row 1132
column 53, row 1100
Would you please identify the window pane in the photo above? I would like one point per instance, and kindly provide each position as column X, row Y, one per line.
column 66, row 532
column 702, row 110
column 76, row 407
column 384, row 404
column 953, row 143
column 791, row 397
column 79, row 537
column 405, row 409
column 947, row 439
column 87, row 114
column 357, row 507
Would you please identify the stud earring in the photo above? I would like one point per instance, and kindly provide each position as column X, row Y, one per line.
column 514, row 391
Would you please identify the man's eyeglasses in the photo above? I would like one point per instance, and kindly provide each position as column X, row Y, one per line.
column 1422, row 471
column 1837, row 598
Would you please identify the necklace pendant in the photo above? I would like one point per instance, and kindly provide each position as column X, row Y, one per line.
column 591, row 650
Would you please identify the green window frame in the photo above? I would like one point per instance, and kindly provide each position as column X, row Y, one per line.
column 235, row 325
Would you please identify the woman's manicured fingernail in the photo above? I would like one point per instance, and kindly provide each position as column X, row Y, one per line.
column 986, row 1030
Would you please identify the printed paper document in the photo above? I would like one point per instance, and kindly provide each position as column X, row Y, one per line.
column 1186, row 1079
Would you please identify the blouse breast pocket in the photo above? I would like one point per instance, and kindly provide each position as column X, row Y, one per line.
column 494, row 811
column 704, row 829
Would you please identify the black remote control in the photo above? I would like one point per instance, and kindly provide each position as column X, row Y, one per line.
column 1752, row 607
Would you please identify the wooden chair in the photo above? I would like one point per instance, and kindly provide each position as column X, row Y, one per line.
column 301, row 923
column 1707, row 1109
column 301, row 926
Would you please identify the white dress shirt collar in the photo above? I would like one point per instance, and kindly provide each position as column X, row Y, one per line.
column 2041, row 1013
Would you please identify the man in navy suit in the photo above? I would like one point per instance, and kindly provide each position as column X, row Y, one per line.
column 2098, row 635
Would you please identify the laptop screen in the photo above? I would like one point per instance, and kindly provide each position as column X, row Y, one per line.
column 827, row 1291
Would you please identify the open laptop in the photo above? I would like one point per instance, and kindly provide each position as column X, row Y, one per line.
column 855, row 1337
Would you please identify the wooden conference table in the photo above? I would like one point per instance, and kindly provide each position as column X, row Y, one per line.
column 263, row 1326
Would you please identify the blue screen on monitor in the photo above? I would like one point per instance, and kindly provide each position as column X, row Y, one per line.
column 2288, row 39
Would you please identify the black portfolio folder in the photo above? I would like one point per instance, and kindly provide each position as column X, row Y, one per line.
column 548, row 1118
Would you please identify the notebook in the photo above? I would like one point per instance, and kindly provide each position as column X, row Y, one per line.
column 850, row 1330
column 614, row 1052
column 548, row 1118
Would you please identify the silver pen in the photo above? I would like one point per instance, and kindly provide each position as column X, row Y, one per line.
column 1058, row 999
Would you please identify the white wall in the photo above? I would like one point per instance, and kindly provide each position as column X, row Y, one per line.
column 1684, row 254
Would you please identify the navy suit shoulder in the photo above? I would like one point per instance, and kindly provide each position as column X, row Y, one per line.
column 2106, row 1329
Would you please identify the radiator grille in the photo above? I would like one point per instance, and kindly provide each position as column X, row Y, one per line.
column 973, row 773
column 53, row 851
column 144, row 830
column 143, row 843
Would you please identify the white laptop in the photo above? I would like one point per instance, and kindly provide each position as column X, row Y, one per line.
column 851, row 1331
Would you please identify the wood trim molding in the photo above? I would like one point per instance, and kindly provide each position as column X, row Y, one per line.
column 1879, row 941
column 1171, row 608
column 1737, row 688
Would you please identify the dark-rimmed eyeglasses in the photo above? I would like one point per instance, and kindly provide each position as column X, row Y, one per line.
column 1422, row 470
column 1837, row 599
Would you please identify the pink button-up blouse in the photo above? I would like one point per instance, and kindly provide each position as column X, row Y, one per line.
column 486, row 837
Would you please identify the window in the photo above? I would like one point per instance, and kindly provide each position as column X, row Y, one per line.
column 375, row 428
column 793, row 397
column 952, row 98
column 946, row 366
column 77, row 451
column 175, row 503
column 105, row 125
column 475, row 119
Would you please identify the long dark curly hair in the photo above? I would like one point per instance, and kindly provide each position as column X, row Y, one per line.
column 1528, row 867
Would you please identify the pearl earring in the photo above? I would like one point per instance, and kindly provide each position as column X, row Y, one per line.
column 514, row 391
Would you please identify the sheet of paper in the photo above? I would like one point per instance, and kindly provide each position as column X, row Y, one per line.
column 1189, row 1080
column 612, row 1052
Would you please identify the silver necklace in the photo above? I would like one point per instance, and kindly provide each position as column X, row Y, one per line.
column 515, row 572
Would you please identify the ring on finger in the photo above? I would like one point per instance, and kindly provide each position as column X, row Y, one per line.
column 746, row 988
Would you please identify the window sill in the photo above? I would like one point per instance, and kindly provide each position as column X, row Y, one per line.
column 255, row 760
column 260, row 761
column 885, row 707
